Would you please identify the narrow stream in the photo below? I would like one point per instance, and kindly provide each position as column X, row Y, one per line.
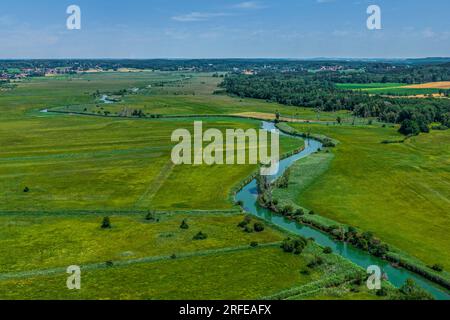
column 248, row 195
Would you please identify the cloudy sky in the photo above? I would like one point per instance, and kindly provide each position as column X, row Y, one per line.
column 223, row 29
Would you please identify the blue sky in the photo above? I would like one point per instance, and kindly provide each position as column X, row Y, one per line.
column 223, row 29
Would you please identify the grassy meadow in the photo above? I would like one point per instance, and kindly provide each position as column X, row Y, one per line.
column 243, row 274
column 141, row 259
column 30, row 242
column 86, row 163
column 158, row 93
column 77, row 169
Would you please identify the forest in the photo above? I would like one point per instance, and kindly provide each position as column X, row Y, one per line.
column 308, row 91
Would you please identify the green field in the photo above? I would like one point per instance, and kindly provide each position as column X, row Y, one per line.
column 160, row 93
column 28, row 241
column 82, row 163
column 77, row 169
column 138, row 259
column 398, row 191
column 245, row 274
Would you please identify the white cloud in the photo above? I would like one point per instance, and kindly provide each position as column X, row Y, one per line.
column 250, row 5
column 428, row 33
column 199, row 16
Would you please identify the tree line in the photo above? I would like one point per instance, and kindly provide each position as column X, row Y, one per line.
column 296, row 89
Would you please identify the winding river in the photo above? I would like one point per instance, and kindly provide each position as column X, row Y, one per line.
column 248, row 195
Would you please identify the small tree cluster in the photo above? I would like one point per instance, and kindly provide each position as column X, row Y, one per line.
column 327, row 250
column 295, row 246
column 151, row 216
column 184, row 225
column 106, row 223
column 283, row 181
column 315, row 262
column 366, row 241
column 247, row 227
column 200, row 236
column 411, row 291
column 437, row 267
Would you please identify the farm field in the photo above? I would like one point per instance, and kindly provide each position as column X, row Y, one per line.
column 160, row 93
column 398, row 191
column 239, row 274
column 210, row 158
column 432, row 88
column 28, row 241
column 78, row 168
column 141, row 259
column 167, row 93
column 81, row 163
column 432, row 85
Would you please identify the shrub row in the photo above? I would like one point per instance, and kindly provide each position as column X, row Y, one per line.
column 414, row 267
column 333, row 281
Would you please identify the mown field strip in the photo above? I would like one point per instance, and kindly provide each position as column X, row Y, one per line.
column 156, row 184
column 83, row 155
column 114, row 264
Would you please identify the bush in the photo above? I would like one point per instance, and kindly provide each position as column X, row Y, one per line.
column 327, row 250
column 295, row 246
column 382, row 292
column 258, row 227
column 305, row 272
column 283, row 181
column 242, row 224
column 151, row 216
column 437, row 267
column 287, row 210
column 106, row 223
column 328, row 143
column 26, row 190
column 378, row 249
column 316, row 262
column 410, row 291
column 109, row 263
column 253, row 244
column 239, row 203
column 200, row 236
column 409, row 127
column 248, row 229
column 184, row 225
column 245, row 222
column 312, row 213
column 441, row 127
column 287, row 246
column 299, row 212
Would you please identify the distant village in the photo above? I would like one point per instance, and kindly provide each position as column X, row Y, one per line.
column 17, row 74
column 22, row 73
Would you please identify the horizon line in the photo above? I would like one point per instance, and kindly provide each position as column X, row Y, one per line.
column 232, row 58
